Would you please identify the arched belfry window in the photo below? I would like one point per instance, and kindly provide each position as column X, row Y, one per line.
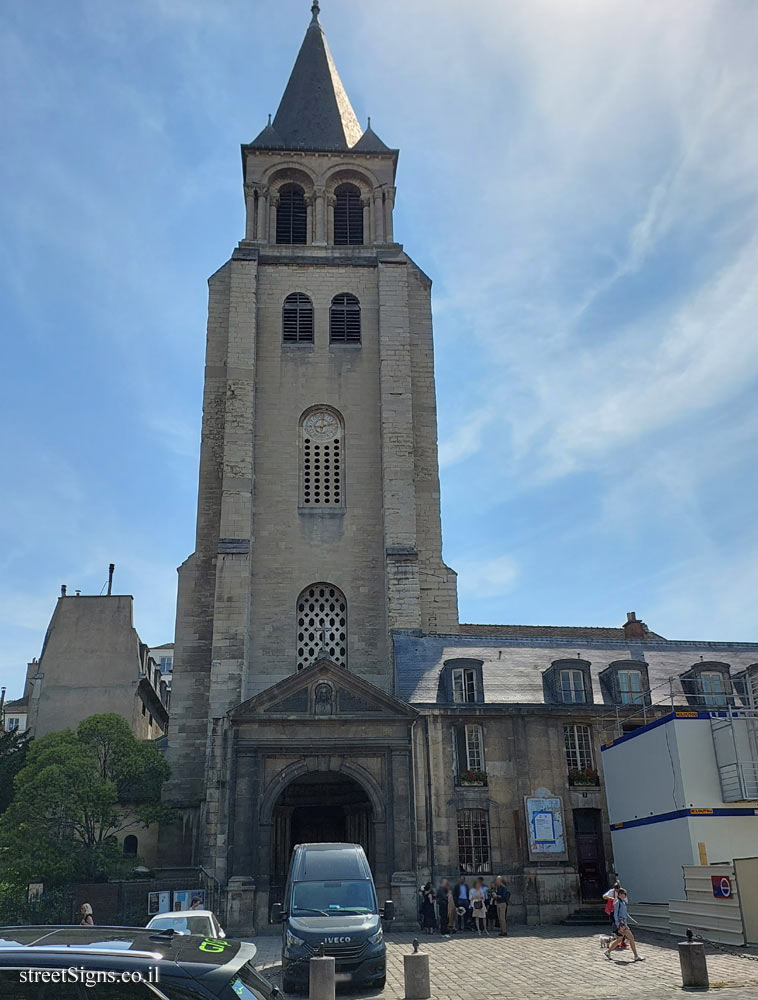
column 322, row 459
column 348, row 215
column 321, row 625
column 291, row 215
column 345, row 320
column 297, row 319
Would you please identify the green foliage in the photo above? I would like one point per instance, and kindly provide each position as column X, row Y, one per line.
column 70, row 801
column 13, row 747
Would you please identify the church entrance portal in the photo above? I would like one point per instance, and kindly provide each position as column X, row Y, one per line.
column 320, row 807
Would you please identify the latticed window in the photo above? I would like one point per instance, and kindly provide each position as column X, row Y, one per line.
column 348, row 215
column 578, row 740
column 291, row 215
column 713, row 688
column 321, row 625
column 468, row 749
column 345, row 320
column 322, row 460
column 297, row 319
column 473, row 841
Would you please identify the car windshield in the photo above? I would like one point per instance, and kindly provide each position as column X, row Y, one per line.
column 324, row 899
column 182, row 925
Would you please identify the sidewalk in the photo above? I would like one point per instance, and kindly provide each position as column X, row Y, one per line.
column 543, row 962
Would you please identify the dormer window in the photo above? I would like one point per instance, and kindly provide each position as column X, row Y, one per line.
column 572, row 687
column 714, row 691
column 708, row 685
column 464, row 681
column 630, row 687
column 568, row 682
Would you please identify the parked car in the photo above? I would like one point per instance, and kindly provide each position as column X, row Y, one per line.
column 188, row 922
column 126, row 963
column 330, row 902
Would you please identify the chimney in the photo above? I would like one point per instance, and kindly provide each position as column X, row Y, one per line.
column 111, row 568
column 633, row 627
column 63, row 590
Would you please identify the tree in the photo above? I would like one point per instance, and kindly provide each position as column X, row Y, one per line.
column 75, row 793
column 13, row 747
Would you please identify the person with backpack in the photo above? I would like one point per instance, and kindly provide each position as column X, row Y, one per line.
column 502, row 895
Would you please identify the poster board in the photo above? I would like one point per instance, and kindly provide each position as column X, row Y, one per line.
column 158, row 902
column 544, row 826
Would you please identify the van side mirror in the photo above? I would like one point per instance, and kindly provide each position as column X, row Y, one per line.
column 388, row 913
column 277, row 913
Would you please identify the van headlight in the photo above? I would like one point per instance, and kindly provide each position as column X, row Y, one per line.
column 293, row 941
column 376, row 938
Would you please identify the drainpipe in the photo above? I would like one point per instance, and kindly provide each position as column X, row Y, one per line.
column 429, row 809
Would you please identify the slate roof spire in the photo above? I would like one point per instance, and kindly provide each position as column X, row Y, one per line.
column 315, row 111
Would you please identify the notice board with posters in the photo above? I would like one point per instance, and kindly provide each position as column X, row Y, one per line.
column 544, row 826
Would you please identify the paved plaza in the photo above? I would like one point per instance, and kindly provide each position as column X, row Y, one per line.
column 547, row 962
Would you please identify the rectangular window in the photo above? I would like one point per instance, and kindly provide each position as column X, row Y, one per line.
column 468, row 752
column 12, row 724
column 713, row 688
column 572, row 687
column 473, row 841
column 166, row 663
column 464, row 685
column 578, row 741
column 630, row 687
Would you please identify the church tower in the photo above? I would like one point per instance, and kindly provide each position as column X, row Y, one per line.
column 318, row 526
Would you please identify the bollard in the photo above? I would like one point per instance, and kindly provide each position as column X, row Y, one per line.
column 694, row 966
column 321, row 985
column 416, row 969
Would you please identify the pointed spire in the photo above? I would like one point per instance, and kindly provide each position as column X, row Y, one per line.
column 315, row 111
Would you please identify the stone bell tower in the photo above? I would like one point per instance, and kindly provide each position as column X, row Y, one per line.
column 318, row 525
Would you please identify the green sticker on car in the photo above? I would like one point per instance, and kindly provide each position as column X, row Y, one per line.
column 215, row 945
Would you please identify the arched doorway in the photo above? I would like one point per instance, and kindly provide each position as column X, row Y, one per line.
column 319, row 807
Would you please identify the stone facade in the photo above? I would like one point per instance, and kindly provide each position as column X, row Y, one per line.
column 365, row 742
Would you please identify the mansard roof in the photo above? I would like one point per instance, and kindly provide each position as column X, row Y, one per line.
column 315, row 111
column 514, row 658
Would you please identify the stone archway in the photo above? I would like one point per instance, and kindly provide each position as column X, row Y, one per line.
column 318, row 807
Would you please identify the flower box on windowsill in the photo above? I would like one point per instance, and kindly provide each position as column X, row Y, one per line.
column 583, row 776
column 476, row 778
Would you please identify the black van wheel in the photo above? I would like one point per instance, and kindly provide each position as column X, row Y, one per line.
column 380, row 983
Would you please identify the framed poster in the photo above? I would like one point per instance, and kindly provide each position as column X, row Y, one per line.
column 158, row 902
column 184, row 898
column 544, row 821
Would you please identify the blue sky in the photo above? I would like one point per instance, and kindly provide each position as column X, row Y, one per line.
column 580, row 179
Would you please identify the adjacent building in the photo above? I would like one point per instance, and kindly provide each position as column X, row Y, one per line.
column 94, row 661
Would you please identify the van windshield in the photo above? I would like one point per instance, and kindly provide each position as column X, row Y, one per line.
column 327, row 899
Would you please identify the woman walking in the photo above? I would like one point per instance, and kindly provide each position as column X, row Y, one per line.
column 87, row 918
column 622, row 918
column 479, row 907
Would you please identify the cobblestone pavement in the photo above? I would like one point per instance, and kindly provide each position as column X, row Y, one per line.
column 541, row 962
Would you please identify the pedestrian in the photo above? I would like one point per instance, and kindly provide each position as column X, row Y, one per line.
column 479, row 906
column 621, row 915
column 428, row 909
column 502, row 895
column 451, row 911
column 610, row 899
column 442, row 906
column 491, row 907
column 460, row 895
column 195, row 904
column 87, row 918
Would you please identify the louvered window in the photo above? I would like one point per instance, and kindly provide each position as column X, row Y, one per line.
column 291, row 215
column 345, row 320
column 297, row 319
column 321, row 625
column 348, row 215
